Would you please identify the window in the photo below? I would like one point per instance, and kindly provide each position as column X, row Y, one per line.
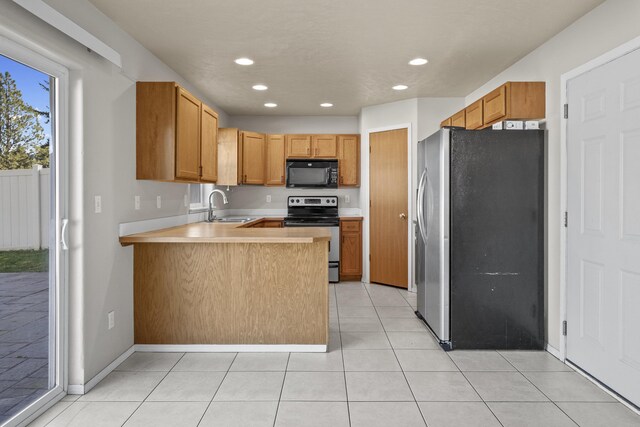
column 198, row 196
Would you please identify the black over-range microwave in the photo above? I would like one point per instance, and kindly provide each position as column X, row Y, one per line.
column 306, row 173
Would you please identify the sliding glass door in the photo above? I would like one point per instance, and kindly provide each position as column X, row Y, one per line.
column 32, row 246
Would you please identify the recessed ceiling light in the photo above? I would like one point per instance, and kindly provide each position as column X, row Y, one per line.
column 244, row 61
column 418, row 61
column 326, row 104
column 260, row 87
column 400, row 87
column 270, row 105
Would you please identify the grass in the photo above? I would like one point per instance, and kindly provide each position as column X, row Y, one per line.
column 24, row 261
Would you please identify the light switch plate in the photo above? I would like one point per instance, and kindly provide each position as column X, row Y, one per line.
column 159, row 201
column 111, row 319
column 347, row 198
column 268, row 198
column 98, row 204
column 137, row 203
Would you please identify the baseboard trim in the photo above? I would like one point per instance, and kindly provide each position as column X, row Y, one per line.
column 83, row 389
column 235, row 348
column 554, row 352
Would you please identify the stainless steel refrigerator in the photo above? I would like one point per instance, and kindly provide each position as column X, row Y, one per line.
column 480, row 238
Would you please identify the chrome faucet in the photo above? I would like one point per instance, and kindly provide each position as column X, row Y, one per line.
column 210, row 216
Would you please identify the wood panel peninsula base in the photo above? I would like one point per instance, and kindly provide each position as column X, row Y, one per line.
column 267, row 291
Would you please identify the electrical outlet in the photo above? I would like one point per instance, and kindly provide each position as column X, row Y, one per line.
column 159, row 201
column 186, row 200
column 347, row 198
column 268, row 198
column 98, row 204
column 111, row 319
column 137, row 202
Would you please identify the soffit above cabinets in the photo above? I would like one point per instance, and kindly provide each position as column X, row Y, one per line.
column 348, row 53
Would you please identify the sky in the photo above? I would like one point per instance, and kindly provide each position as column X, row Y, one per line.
column 27, row 80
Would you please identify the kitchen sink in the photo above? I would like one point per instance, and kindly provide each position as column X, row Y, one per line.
column 234, row 219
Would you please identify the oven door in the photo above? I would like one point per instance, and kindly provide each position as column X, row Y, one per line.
column 310, row 174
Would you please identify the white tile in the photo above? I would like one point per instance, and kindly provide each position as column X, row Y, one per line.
column 360, row 324
column 534, row 361
column 504, row 387
column 314, row 386
column 312, row 414
column 567, row 387
column 243, row 386
column 150, row 362
column 458, row 414
column 365, row 341
column 50, row 414
column 441, row 387
column 594, row 414
column 349, row 311
column 124, row 386
column 241, row 414
column 413, row 340
column 167, row 414
column 252, row 362
column 370, row 360
column 385, row 414
column 477, row 360
column 331, row 361
column 187, row 386
column 401, row 312
column 395, row 324
column 425, row 360
column 377, row 386
column 95, row 414
column 201, row 362
column 530, row 414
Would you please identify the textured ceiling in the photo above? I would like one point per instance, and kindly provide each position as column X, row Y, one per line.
column 348, row 52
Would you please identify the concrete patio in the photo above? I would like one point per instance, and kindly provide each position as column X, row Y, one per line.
column 24, row 308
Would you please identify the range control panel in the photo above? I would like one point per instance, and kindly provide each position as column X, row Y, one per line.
column 296, row 201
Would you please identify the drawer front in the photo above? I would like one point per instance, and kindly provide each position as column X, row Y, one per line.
column 474, row 113
column 495, row 105
column 272, row 224
column 350, row 226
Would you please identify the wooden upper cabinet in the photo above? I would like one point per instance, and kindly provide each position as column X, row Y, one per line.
column 253, row 158
column 187, row 136
column 171, row 143
column 324, row 146
column 474, row 115
column 459, row 119
column 209, row 144
column 229, row 157
column 299, row 146
column 275, row 152
column 349, row 160
column 495, row 104
column 445, row 122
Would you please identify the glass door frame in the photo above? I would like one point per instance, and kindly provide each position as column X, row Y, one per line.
column 58, row 215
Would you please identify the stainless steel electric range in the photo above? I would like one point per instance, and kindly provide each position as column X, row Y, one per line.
column 318, row 211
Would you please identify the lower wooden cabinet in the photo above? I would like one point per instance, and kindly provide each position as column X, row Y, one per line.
column 350, row 248
column 269, row 223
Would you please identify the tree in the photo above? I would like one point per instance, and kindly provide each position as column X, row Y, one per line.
column 22, row 138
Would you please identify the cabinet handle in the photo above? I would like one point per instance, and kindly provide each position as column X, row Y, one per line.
column 308, row 150
column 341, row 179
column 282, row 179
column 245, row 179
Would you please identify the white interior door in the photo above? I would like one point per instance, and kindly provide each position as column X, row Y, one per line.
column 603, row 240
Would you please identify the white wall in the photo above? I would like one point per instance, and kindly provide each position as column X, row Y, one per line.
column 605, row 27
column 101, row 162
column 254, row 197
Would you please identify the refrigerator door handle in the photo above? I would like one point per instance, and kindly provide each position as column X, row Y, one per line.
column 421, row 188
column 428, row 189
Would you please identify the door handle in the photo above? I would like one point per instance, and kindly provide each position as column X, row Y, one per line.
column 63, row 231
column 403, row 216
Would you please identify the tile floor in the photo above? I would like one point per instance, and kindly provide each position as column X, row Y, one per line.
column 24, row 333
column 383, row 369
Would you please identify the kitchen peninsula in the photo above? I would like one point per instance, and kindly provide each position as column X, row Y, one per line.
column 230, row 286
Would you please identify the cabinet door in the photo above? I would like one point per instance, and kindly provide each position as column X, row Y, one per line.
column 272, row 223
column 275, row 160
column 474, row 115
column 324, row 146
column 299, row 146
column 349, row 160
column 459, row 119
column 350, row 249
column 253, row 158
column 445, row 122
column 209, row 145
column 495, row 105
column 187, row 136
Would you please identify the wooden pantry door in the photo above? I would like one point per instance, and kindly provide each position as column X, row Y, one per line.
column 389, row 209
